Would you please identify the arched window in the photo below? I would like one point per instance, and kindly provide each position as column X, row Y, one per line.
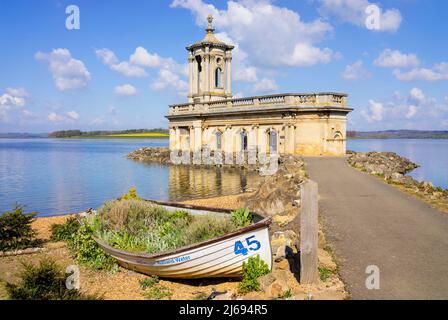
column 243, row 140
column 218, row 78
column 218, row 136
column 272, row 141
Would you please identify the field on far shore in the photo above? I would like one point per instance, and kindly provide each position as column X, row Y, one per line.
column 139, row 135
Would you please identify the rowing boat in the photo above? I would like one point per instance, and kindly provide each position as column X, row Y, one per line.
column 218, row 257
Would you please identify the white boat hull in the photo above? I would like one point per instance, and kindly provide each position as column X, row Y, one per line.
column 219, row 257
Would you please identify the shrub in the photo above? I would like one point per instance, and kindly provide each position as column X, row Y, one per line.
column 65, row 231
column 16, row 231
column 242, row 217
column 43, row 282
column 87, row 251
column 254, row 268
column 131, row 194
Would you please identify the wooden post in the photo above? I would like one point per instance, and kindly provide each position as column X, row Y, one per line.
column 308, row 232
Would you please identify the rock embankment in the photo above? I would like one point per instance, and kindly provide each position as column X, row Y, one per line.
column 393, row 169
column 151, row 155
column 279, row 194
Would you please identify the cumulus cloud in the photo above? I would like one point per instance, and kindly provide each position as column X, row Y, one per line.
column 11, row 99
column 403, row 110
column 395, row 59
column 438, row 73
column 265, row 85
column 354, row 11
column 125, row 90
column 54, row 117
column 375, row 111
column 126, row 68
column 72, row 115
column 167, row 79
column 355, row 71
column 269, row 35
column 68, row 73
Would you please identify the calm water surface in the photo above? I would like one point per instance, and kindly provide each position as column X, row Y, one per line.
column 431, row 155
column 54, row 176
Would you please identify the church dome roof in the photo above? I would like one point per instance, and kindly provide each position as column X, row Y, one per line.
column 210, row 38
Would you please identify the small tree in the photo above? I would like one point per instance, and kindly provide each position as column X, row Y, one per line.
column 16, row 231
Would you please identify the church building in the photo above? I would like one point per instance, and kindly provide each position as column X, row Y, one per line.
column 288, row 123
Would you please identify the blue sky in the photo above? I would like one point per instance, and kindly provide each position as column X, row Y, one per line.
column 127, row 62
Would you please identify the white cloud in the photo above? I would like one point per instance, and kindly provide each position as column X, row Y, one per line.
column 54, row 117
column 438, row 73
column 11, row 99
column 68, row 73
column 355, row 71
column 72, row 115
column 270, row 35
column 375, row 111
column 265, row 86
column 412, row 110
column 125, row 90
column 416, row 95
column 167, row 79
column 125, row 68
column 354, row 11
column 395, row 59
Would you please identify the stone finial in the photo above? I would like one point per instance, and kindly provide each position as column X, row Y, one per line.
column 210, row 26
column 210, row 20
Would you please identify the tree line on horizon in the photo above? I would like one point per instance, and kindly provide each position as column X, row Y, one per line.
column 79, row 133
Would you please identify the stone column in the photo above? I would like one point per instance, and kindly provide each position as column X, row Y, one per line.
column 228, row 76
column 228, row 147
column 190, row 77
column 197, row 127
column 172, row 138
column 177, row 145
column 290, row 139
column 262, row 140
column 207, row 70
column 191, row 138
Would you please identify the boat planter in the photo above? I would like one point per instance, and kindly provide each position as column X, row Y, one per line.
column 218, row 257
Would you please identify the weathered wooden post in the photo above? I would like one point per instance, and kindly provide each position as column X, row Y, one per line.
column 308, row 232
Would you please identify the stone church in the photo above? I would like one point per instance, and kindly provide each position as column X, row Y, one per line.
column 289, row 123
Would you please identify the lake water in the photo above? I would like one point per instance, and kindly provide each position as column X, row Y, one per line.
column 54, row 176
column 431, row 155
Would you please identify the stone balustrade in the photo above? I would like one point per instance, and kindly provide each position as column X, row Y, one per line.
column 302, row 100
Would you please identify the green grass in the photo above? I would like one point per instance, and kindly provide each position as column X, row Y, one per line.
column 324, row 273
column 285, row 295
column 149, row 282
column 158, row 292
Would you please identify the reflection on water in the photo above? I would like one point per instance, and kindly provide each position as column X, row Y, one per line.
column 430, row 154
column 54, row 176
column 193, row 182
